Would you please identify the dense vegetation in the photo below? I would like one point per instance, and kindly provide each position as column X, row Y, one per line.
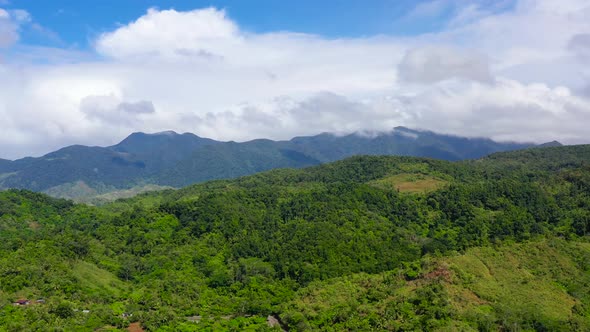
column 368, row 243
column 169, row 159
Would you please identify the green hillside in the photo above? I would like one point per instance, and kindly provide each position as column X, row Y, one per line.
column 367, row 243
column 541, row 285
column 168, row 159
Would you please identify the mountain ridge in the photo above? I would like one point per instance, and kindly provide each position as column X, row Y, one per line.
column 172, row 159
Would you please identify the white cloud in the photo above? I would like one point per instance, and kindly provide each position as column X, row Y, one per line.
column 507, row 74
column 504, row 110
column 8, row 29
column 166, row 32
column 508, row 110
column 435, row 64
column 112, row 112
column 20, row 16
column 14, row 21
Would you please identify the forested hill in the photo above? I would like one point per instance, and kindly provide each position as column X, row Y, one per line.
column 143, row 161
column 366, row 243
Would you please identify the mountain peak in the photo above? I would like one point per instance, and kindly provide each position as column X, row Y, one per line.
column 550, row 144
column 142, row 142
column 160, row 133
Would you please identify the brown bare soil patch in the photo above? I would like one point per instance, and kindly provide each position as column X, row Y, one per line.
column 440, row 273
column 135, row 327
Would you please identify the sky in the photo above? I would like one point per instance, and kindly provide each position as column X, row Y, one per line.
column 82, row 72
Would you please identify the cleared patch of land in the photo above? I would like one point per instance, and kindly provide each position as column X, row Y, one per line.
column 533, row 280
column 485, row 288
column 410, row 183
column 126, row 193
column 97, row 280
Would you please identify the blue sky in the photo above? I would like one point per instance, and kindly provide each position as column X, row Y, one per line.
column 78, row 23
column 91, row 72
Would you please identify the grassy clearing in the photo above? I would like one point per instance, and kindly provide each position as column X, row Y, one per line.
column 410, row 183
column 526, row 281
column 520, row 287
column 72, row 190
column 96, row 280
column 125, row 193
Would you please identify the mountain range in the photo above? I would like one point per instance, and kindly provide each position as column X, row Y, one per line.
column 169, row 159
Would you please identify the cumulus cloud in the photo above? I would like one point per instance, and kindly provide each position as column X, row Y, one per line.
column 507, row 72
column 285, row 117
column 435, row 64
column 507, row 110
column 206, row 31
column 112, row 111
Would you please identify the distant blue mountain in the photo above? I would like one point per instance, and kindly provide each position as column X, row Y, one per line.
column 173, row 159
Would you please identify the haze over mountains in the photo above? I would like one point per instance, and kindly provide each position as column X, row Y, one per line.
column 172, row 159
